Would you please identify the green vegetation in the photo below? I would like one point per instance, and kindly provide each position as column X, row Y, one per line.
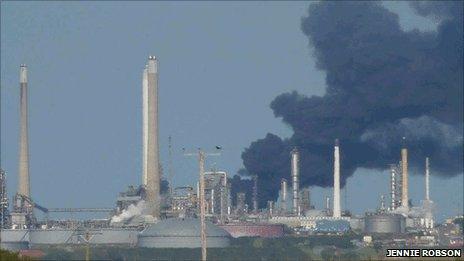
column 10, row 256
column 287, row 248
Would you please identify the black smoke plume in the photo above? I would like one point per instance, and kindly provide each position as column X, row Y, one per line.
column 383, row 83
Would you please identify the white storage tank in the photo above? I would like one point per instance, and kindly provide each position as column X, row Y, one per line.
column 384, row 223
column 182, row 233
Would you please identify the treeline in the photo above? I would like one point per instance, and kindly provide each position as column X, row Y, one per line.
column 287, row 248
column 13, row 256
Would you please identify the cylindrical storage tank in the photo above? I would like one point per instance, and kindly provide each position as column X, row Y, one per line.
column 384, row 223
column 254, row 230
column 114, row 236
column 61, row 236
column 14, row 239
column 51, row 237
column 182, row 233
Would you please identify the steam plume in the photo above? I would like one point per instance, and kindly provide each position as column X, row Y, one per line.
column 131, row 211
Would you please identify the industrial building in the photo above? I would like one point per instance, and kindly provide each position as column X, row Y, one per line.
column 145, row 217
column 137, row 209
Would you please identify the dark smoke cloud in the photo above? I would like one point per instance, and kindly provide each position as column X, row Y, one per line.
column 241, row 185
column 383, row 83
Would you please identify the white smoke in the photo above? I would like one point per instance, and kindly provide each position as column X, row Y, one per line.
column 131, row 211
column 423, row 127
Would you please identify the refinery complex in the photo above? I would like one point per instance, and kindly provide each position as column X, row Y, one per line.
column 155, row 216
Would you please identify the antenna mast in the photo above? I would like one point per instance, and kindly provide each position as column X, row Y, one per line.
column 201, row 162
column 170, row 171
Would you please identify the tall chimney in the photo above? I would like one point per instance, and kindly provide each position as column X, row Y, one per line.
column 283, row 191
column 404, row 166
column 23, row 182
column 336, row 190
column 295, row 155
column 151, row 130
column 145, row 125
column 427, row 177
column 255, row 194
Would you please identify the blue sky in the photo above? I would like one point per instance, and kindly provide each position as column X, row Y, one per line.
column 221, row 64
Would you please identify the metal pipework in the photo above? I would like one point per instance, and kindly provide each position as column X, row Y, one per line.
column 393, row 186
column 295, row 155
column 224, row 198
column 201, row 159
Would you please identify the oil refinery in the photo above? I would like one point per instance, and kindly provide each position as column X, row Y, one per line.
column 153, row 216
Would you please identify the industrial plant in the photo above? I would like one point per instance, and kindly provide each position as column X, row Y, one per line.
column 153, row 216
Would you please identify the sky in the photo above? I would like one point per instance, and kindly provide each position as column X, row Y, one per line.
column 220, row 66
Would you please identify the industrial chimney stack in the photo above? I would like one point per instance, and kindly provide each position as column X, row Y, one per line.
column 151, row 169
column 145, row 124
column 336, row 189
column 255, row 194
column 428, row 204
column 23, row 182
column 427, row 179
column 283, row 195
column 404, row 166
column 295, row 155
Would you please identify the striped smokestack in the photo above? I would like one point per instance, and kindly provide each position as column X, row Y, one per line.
column 150, row 126
column 23, row 182
column 404, row 166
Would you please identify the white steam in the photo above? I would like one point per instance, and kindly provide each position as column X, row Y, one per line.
column 131, row 211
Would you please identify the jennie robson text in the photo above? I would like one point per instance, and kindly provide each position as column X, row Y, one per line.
column 423, row 253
